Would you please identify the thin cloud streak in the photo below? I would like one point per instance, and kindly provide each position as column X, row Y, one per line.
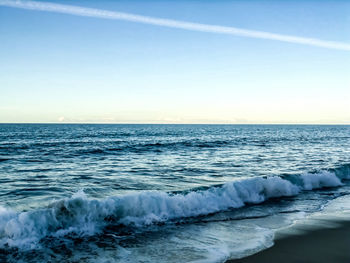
column 98, row 13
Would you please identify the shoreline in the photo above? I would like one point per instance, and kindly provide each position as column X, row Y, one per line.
column 320, row 240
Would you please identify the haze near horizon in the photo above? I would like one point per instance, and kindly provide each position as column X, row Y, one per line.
column 177, row 64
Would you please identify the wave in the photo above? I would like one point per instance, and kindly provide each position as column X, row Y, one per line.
column 80, row 215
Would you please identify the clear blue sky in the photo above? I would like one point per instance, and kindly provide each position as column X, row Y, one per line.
column 59, row 67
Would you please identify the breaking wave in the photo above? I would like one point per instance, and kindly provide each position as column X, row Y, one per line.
column 80, row 215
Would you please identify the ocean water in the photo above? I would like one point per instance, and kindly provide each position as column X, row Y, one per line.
column 162, row 193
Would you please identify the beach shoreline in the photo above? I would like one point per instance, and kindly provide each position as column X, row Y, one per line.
column 321, row 240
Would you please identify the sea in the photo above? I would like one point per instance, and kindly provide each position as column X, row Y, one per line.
column 162, row 193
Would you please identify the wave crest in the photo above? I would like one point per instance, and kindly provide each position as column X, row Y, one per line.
column 83, row 216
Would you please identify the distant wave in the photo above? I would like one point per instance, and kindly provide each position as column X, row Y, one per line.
column 82, row 216
column 153, row 146
column 81, row 147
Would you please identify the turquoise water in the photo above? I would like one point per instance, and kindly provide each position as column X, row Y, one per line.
column 161, row 193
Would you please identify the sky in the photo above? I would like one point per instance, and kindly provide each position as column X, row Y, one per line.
column 57, row 67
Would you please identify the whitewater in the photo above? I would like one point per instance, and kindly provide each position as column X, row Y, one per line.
column 162, row 193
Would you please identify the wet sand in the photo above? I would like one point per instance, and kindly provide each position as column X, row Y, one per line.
column 323, row 241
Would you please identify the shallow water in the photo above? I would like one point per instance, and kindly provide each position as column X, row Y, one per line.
column 161, row 193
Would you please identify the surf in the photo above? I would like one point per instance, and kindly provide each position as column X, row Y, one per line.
column 84, row 216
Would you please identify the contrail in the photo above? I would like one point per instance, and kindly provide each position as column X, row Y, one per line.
column 92, row 12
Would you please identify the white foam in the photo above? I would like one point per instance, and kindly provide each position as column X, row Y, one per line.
column 83, row 216
column 320, row 180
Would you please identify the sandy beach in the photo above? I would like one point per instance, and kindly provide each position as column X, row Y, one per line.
column 322, row 240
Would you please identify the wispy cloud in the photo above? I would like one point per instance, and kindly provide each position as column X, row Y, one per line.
column 98, row 13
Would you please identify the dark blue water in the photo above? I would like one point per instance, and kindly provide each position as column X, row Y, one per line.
column 161, row 193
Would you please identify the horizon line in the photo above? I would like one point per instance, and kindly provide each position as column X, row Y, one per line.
column 169, row 123
column 171, row 23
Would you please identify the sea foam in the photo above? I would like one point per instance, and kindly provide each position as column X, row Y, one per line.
column 82, row 216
